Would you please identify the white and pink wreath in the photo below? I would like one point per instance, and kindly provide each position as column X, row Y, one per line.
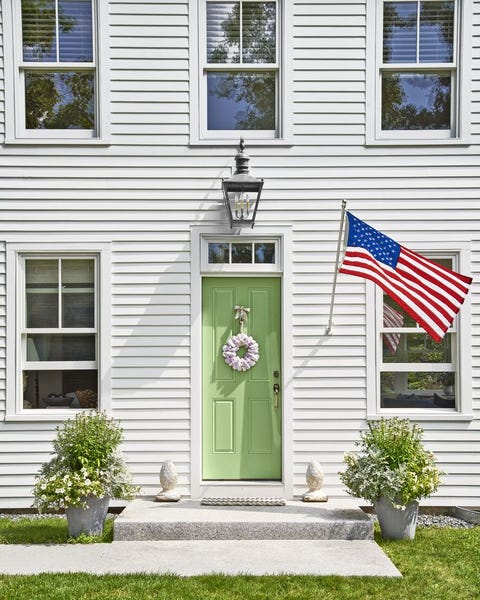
column 233, row 345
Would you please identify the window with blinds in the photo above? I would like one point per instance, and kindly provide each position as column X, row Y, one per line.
column 241, row 67
column 418, row 69
column 58, row 68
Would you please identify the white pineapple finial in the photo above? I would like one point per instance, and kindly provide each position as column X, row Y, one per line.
column 314, row 477
column 168, row 481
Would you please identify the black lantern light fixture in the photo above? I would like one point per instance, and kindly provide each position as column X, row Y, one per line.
column 241, row 192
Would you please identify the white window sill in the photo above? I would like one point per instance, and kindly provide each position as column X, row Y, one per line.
column 56, row 142
column 43, row 414
column 248, row 142
column 421, row 416
column 419, row 142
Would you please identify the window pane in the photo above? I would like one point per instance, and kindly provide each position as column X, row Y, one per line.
column 60, row 347
column 60, row 389
column 241, row 253
column 416, row 348
column 78, row 293
column 413, row 101
column 399, row 32
column 223, row 32
column 259, row 32
column 218, row 253
column 265, row 254
column 39, row 30
column 241, row 101
column 41, row 282
column 417, row 390
column 75, row 29
column 436, row 32
column 59, row 100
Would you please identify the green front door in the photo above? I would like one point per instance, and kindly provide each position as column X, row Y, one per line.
column 242, row 414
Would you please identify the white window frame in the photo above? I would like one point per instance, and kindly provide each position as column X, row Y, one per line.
column 461, row 347
column 461, row 70
column 16, row 253
column 252, row 267
column 15, row 130
column 199, row 134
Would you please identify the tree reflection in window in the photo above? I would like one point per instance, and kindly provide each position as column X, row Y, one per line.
column 241, row 33
column 417, row 33
column 59, row 100
column 416, row 101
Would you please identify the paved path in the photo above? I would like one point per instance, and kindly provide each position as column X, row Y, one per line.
column 194, row 557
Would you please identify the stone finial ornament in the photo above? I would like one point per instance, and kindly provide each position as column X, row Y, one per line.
column 314, row 477
column 168, row 481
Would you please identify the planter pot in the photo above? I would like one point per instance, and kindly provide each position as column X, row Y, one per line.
column 89, row 521
column 395, row 523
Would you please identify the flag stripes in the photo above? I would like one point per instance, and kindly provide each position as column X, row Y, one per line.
column 430, row 293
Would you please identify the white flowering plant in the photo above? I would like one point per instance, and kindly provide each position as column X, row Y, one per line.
column 87, row 462
column 392, row 463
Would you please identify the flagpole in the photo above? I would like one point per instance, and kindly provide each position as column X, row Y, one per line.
column 334, row 287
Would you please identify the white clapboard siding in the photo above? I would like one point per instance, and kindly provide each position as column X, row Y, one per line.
column 142, row 192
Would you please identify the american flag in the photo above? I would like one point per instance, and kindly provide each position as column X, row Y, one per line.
column 392, row 318
column 430, row 293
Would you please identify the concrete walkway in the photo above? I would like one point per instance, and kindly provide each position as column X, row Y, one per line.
column 199, row 557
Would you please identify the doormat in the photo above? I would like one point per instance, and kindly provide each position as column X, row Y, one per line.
column 242, row 501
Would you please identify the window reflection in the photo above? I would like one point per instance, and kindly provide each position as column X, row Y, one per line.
column 241, row 101
column 265, row 253
column 241, row 253
column 218, row 253
column 413, row 101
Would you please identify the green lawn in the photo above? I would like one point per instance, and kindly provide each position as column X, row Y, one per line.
column 47, row 530
column 440, row 564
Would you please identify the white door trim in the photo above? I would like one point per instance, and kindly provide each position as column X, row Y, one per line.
column 199, row 488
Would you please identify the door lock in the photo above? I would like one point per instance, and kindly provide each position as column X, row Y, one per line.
column 276, row 391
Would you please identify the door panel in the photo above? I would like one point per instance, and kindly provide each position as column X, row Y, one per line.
column 241, row 423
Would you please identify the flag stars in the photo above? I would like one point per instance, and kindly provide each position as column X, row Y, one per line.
column 382, row 247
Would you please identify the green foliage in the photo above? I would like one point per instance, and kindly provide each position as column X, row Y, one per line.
column 87, row 462
column 392, row 462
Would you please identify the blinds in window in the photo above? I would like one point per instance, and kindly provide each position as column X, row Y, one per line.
column 258, row 32
column 223, row 32
column 431, row 22
column 58, row 30
column 75, row 30
column 39, row 31
column 436, row 32
column 246, row 30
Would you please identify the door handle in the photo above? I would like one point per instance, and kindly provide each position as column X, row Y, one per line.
column 276, row 391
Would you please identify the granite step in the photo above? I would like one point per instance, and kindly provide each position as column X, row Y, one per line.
column 144, row 519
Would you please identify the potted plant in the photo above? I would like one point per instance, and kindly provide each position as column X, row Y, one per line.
column 87, row 469
column 393, row 471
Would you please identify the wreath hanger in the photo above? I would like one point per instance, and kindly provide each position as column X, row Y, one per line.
column 241, row 340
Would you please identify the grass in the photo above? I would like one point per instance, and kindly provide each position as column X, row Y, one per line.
column 47, row 530
column 440, row 564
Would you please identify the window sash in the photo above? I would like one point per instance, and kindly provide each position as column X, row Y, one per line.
column 240, row 67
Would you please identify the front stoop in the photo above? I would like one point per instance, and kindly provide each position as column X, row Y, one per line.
column 144, row 519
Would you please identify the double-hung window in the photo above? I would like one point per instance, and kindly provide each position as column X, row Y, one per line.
column 58, row 334
column 420, row 84
column 52, row 70
column 58, row 328
column 414, row 374
column 240, row 74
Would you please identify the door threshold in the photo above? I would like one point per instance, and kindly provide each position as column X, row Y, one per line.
column 241, row 488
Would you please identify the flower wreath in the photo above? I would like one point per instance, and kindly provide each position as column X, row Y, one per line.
column 231, row 348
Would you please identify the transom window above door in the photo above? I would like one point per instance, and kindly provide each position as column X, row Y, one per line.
column 240, row 255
